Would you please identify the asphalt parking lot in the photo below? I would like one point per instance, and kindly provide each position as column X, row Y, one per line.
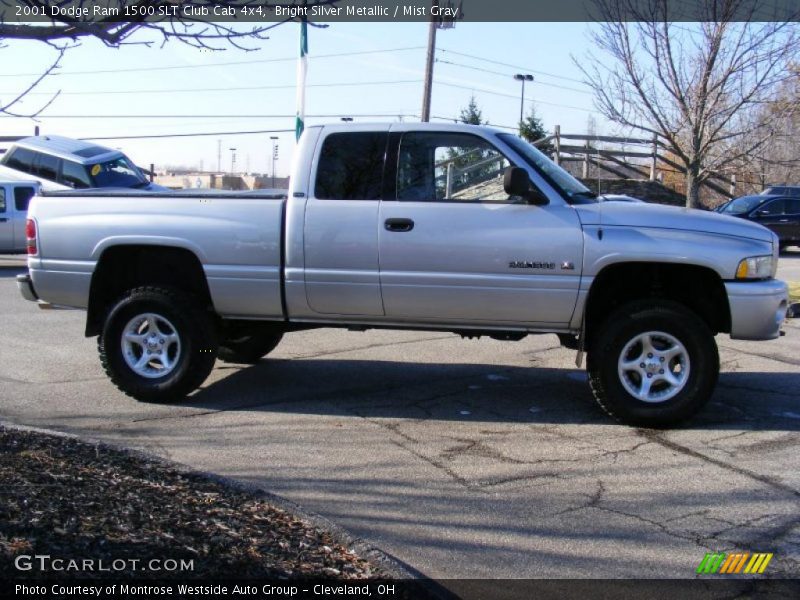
column 463, row 458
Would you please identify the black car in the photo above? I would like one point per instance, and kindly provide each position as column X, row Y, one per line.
column 779, row 213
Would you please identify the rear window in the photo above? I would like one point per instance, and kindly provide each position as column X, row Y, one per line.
column 22, row 197
column 351, row 166
column 20, row 159
column 793, row 206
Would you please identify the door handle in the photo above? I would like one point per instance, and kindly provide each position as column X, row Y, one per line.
column 398, row 225
column 784, row 221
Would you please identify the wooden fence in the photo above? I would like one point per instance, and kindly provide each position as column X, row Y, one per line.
column 650, row 154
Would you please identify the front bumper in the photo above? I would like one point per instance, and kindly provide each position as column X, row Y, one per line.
column 758, row 308
column 25, row 287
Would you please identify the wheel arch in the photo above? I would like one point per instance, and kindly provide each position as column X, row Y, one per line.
column 697, row 287
column 125, row 266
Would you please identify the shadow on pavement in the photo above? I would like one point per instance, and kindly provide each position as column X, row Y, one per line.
column 477, row 392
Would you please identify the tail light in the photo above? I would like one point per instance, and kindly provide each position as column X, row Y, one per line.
column 30, row 235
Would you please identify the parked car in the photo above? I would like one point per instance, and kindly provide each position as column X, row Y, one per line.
column 14, row 199
column 779, row 213
column 410, row 226
column 782, row 190
column 63, row 163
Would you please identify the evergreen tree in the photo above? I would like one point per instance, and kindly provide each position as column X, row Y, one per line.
column 472, row 114
column 532, row 129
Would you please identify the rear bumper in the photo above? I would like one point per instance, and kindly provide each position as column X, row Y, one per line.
column 25, row 287
column 758, row 308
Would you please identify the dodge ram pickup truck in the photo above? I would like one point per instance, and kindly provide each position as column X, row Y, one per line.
column 410, row 226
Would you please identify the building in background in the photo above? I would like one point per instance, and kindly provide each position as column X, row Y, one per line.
column 178, row 180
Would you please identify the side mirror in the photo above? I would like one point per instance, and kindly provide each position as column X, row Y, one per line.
column 516, row 182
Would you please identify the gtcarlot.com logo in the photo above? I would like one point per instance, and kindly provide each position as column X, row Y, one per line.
column 45, row 562
column 736, row 563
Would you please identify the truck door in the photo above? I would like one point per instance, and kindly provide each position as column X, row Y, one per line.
column 341, row 225
column 455, row 247
column 771, row 215
column 6, row 223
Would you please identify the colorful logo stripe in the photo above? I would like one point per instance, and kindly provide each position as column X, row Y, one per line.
column 731, row 564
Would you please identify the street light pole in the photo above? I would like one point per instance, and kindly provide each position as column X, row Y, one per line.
column 274, row 139
column 523, row 77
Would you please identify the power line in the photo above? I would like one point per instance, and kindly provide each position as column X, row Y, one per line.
column 555, row 85
column 229, row 89
column 177, row 135
column 511, row 66
column 217, row 116
column 218, row 64
column 531, row 100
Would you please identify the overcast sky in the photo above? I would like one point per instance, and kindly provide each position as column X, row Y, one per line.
column 383, row 70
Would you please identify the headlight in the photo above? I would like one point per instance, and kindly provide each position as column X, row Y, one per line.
column 757, row 267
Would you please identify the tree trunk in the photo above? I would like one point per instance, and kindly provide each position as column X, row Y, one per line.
column 692, row 186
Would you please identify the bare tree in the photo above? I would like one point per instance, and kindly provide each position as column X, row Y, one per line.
column 64, row 30
column 699, row 86
column 780, row 161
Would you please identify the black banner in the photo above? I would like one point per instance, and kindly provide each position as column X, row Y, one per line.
column 404, row 589
column 369, row 11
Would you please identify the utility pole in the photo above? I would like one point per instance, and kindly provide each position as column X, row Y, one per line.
column 430, row 57
column 219, row 156
column 429, row 60
column 233, row 160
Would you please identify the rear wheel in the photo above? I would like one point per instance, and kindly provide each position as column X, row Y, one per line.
column 157, row 344
column 653, row 364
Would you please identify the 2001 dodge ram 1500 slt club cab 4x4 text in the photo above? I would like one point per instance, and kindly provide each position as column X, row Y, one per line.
column 446, row 227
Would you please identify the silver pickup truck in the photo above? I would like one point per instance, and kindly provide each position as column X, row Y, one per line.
column 410, row 226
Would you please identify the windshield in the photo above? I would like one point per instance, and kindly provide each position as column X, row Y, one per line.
column 573, row 188
column 742, row 205
column 119, row 172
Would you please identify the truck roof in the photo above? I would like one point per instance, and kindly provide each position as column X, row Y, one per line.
column 407, row 126
column 80, row 151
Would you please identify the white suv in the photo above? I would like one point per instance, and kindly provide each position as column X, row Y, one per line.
column 64, row 163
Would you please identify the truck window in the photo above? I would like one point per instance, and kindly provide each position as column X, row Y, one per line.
column 20, row 159
column 46, row 166
column 75, row 175
column 450, row 166
column 351, row 166
column 22, row 197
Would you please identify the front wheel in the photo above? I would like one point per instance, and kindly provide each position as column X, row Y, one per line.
column 157, row 344
column 653, row 364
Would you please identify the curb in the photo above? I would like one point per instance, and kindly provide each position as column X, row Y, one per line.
column 395, row 567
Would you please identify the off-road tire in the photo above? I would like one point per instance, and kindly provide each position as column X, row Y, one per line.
column 622, row 326
column 197, row 336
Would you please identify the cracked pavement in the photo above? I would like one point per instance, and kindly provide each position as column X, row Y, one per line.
column 463, row 458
